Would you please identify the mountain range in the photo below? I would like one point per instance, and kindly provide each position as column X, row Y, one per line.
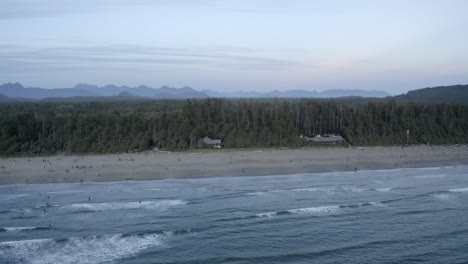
column 16, row 90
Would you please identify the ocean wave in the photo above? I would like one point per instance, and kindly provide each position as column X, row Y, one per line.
column 268, row 214
column 93, row 249
column 22, row 228
column 383, row 189
column 319, row 210
column 443, row 196
column 459, row 190
column 430, row 176
column 327, row 190
column 12, row 196
column 124, row 205
column 257, row 193
column 311, row 189
column 308, row 189
column 315, row 210
column 352, row 189
column 151, row 189
column 65, row 192
column 21, row 210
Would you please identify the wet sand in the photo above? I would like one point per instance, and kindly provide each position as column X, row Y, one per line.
column 163, row 165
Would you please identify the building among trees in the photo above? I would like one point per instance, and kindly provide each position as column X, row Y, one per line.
column 210, row 142
column 327, row 138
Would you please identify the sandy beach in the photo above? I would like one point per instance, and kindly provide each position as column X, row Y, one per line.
column 163, row 165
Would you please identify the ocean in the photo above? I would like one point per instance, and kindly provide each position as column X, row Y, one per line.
column 384, row 216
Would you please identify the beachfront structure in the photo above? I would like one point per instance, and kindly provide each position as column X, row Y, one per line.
column 327, row 138
column 210, row 142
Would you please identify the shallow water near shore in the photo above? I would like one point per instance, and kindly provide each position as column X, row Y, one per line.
column 385, row 216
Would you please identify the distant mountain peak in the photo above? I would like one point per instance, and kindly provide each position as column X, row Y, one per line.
column 10, row 85
column 110, row 86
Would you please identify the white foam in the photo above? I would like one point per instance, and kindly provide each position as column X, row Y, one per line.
column 256, row 194
column 22, row 210
column 125, row 205
column 307, row 189
column 383, row 189
column 24, row 246
column 443, row 196
column 65, row 192
column 431, row 176
column 377, row 204
column 357, row 190
column 269, row 214
column 315, row 210
column 11, row 196
column 459, row 190
column 19, row 228
column 288, row 190
column 277, row 191
column 94, row 249
column 320, row 210
column 151, row 189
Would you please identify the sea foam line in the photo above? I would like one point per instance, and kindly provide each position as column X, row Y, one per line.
column 19, row 228
column 319, row 210
column 93, row 249
column 459, row 190
column 12, row 196
column 125, row 205
column 431, row 176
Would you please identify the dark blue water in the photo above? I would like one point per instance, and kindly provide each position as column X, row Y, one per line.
column 395, row 216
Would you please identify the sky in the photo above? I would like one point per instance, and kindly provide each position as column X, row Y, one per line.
column 228, row 45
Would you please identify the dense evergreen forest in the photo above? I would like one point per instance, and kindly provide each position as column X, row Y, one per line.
column 453, row 94
column 101, row 127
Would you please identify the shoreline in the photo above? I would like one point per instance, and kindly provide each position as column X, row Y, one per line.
column 221, row 163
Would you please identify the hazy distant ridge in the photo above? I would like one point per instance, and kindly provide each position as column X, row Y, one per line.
column 16, row 90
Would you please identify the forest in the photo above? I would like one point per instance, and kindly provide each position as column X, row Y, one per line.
column 39, row 128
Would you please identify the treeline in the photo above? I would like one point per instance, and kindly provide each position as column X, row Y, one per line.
column 101, row 127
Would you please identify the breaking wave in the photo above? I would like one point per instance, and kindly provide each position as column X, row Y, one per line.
column 124, row 205
column 319, row 210
column 443, row 196
column 65, row 192
column 93, row 249
column 431, row 176
column 21, row 228
column 11, row 196
column 383, row 189
column 459, row 190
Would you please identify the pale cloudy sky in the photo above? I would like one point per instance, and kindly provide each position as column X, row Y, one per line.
column 393, row 45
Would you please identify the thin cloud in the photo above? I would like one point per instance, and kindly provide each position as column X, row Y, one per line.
column 17, row 9
column 143, row 54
